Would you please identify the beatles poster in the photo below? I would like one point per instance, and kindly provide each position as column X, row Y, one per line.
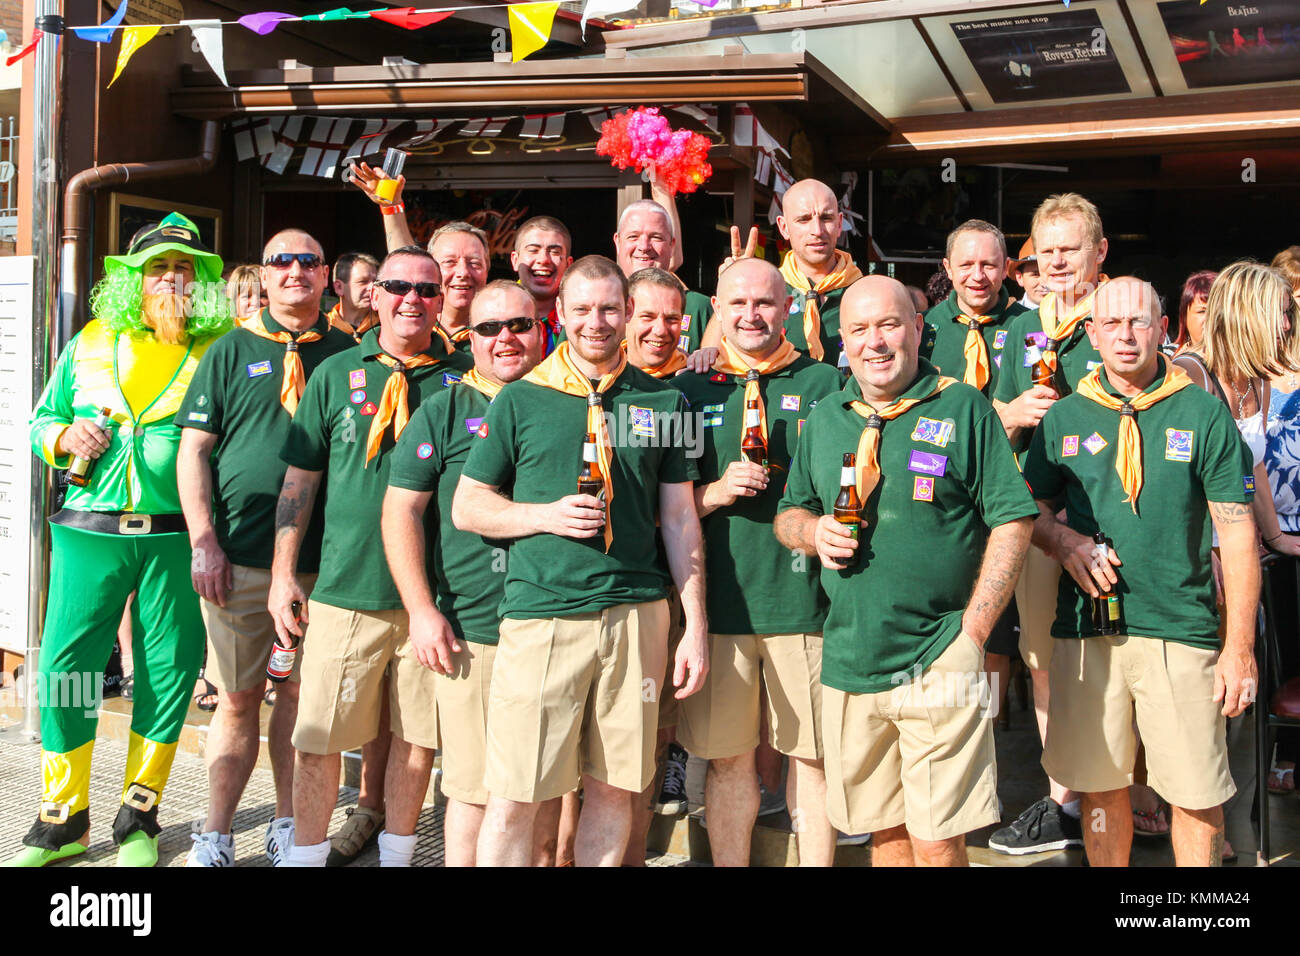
column 1227, row 44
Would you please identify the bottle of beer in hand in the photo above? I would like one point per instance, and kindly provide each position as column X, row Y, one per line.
column 752, row 444
column 280, row 664
column 80, row 469
column 590, row 480
column 1106, row 608
column 848, row 507
column 1040, row 372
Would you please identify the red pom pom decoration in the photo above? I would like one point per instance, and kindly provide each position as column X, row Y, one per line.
column 641, row 138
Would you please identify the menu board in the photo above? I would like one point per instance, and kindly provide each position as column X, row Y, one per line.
column 1228, row 44
column 16, row 402
column 1047, row 56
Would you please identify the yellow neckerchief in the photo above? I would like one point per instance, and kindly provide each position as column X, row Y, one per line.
column 336, row 321
column 559, row 372
column 1059, row 329
column 392, row 403
column 666, row 369
column 868, row 458
column 976, row 350
column 482, row 384
column 846, row 273
column 1128, row 456
column 295, row 379
column 731, row 361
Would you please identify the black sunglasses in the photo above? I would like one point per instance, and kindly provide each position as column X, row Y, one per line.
column 283, row 260
column 425, row 290
column 518, row 325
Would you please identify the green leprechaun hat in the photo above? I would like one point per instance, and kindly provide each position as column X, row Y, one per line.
column 174, row 234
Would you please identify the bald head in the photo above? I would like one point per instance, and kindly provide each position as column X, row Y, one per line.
column 1127, row 295
column 1126, row 329
column 752, row 304
column 882, row 336
column 506, row 355
column 293, row 291
column 501, row 299
column 292, row 240
column 810, row 219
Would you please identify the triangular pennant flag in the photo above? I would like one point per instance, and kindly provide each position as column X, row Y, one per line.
column 264, row 23
column 104, row 32
column 408, row 19
column 207, row 37
column 530, row 27
column 132, row 39
column 603, row 8
column 36, row 38
column 342, row 13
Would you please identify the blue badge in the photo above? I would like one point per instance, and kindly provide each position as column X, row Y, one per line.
column 472, row 424
column 424, row 450
column 999, row 338
column 1248, row 481
column 643, row 421
column 927, row 463
column 1178, row 444
column 259, row 368
column 932, row 432
column 358, row 396
column 449, row 379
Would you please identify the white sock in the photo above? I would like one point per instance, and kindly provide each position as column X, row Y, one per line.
column 314, row 855
column 1073, row 808
column 396, row 850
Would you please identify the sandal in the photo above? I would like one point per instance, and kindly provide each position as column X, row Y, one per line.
column 208, row 692
column 1229, row 854
column 1151, row 823
column 1277, row 780
column 269, row 697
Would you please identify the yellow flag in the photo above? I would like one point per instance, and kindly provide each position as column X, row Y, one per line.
column 530, row 27
column 132, row 39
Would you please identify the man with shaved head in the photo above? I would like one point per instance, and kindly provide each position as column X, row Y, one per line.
column 237, row 410
column 945, row 523
column 765, row 610
column 1136, row 455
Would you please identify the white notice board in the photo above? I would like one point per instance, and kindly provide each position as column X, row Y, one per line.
column 16, row 403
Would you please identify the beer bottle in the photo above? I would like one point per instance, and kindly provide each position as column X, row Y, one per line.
column 1040, row 371
column 753, row 445
column 80, row 469
column 590, row 480
column 1106, row 608
column 280, row 664
column 848, row 507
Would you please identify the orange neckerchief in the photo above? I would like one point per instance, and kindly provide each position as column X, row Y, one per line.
column 559, row 372
column 868, row 459
column 976, row 350
column 668, row 368
column 1059, row 328
column 846, row 273
column 1128, row 456
column 295, row 379
column 393, row 402
column 731, row 361
column 336, row 320
column 482, row 384
column 453, row 338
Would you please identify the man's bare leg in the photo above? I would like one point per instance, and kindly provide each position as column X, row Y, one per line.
column 1108, row 827
column 546, row 826
column 605, row 823
column 279, row 744
column 405, row 786
column 731, row 805
column 1197, row 836
column 374, row 767
column 566, row 832
column 315, row 791
column 892, row 847
column 805, row 794
column 950, row 852
column 642, row 812
column 461, row 824
column 506, row 836
column 232, row 744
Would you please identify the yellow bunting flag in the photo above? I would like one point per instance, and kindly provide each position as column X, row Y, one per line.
column 133, row 38
column 530, row 27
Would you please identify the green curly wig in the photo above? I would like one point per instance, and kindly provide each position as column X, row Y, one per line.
column 116, row 301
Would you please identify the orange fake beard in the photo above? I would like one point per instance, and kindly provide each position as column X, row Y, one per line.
column 165, row 314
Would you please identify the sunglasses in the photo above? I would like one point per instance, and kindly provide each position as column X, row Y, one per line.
column 283, row 260
column 518, row 325
column 425, row 290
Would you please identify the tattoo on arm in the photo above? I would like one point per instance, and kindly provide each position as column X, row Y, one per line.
column 1229, row 512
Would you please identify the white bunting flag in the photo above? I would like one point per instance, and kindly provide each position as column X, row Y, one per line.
column 207, row 40
column 484, row 127
column 544, row 126
column 325, row 146
column 603, row 8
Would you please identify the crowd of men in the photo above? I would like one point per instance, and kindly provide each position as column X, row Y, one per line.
column 522, row 524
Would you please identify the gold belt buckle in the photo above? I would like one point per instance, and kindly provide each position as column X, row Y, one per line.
column 134, row 524
column 140, row 797
column 54, row 812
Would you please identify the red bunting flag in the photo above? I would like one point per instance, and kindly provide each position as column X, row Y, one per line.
column 36, row 38
column 408, row 19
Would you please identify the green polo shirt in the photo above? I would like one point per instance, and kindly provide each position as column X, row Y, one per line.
column 1191, row 453
column 468, row 570
column 695, row 317
column 329, row 434
column 948, row 338
column 530, row 446
column 832, row 343
column 235, row 395
column 948, row 476
column 755, row 585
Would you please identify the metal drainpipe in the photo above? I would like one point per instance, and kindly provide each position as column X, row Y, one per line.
column 74, row 268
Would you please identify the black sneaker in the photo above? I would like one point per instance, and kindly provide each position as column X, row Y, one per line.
column 1044, row 826
column 672, row 795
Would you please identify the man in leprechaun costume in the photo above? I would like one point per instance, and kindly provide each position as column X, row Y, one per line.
column 156, row 311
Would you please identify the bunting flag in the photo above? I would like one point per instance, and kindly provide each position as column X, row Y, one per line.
column 373, row 139
column 36, row 38
column 104, row 32
column 543, row 126
column 207, row 38
column 597, row 116
column 485, row 127
column 408, row 19
column 325, row 146
column 599, row 9
column 286, row 140
column 264, row 23
column 133, row 38
column 341, row 13
column 705, row 113
column 253, row 137
column 530, row 27
column 426, row 131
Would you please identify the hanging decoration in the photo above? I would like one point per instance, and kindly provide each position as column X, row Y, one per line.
column 207, row 40
column 408, row 18
column 104, row 32
column 603, row 8
column 36, row 38
column 642, row 138
column 530, row 27
column 264, row 23
column 133, row 38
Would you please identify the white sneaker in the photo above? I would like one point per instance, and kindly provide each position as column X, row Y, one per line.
column 211, row 849
column 279, row 837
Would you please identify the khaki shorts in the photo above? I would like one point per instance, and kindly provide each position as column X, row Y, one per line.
column 1097, row 683
column 722, row 718
column 919, row 754
column 1036, row 601
column 576, row 695
column 668, row 702
column 240, row 634
column 349, row 660
column 462, row 720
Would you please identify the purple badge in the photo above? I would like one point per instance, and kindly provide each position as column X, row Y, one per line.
column 927, row 463
column 472, row 424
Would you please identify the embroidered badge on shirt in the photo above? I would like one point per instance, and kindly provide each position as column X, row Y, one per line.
column 933, row 432
column 999, row 338
column 368, row 408
column 922, row 489
column 717, row 377
column 1178, row 444
column 790, row 403
column 1069, row 446
column 1248, row 482
column 198, row 416
column 483, row 430
column 259, row 368
column 1094, row 443
column 686, row 322
column 927, row 463
column 424, row 450
column 449, row 379
column 472, row 424
column 643, row 421
column 684, row 343
column 358, row 396
column 357, row 378
column 1093, row 365
column 201, row 401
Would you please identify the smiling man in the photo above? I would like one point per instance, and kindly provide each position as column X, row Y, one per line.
column 540, row 256
column 461, row 251
column 646, row 238
column 655, row 323
column 945, row 523
column 340, row 444
column 580, row 665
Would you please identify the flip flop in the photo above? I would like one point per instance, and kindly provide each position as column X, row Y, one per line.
column 1151, row 818
column 1276, row 777
column 208, row 691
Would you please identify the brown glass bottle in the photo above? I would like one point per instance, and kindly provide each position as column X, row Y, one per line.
column 1040, row 372
column 80, row 470
column 590, row 479
column 848, row 506
column 1108, row 607
column 752, row 444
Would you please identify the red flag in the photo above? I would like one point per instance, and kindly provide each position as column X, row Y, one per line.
column 36, row 38
column 407, row 18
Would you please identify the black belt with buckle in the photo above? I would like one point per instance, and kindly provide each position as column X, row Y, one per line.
column 119, row 522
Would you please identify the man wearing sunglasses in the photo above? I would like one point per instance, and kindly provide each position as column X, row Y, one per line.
column 457, row 638
column 341, row 444
column 236, row 412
